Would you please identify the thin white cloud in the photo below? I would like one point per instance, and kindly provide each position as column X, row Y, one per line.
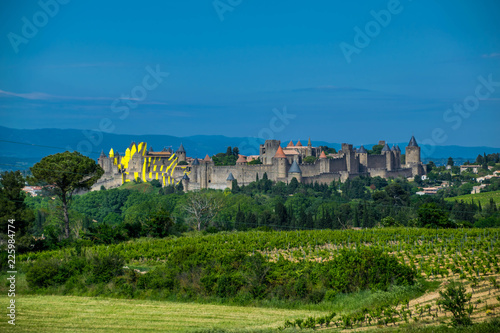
column 491, row 55
column 44, row 96
column 31, row 96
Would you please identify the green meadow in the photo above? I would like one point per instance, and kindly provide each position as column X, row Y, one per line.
column 88, row 314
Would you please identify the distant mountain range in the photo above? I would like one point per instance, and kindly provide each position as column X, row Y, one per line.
column 21, row 148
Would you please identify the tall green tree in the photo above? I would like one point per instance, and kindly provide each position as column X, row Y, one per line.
column 68, row 172
column 12, row 206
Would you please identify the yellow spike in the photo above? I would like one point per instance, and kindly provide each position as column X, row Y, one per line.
column 173, row 162
column 111, row 153
column 144, row 171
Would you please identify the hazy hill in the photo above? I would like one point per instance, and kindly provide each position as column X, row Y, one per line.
column 42, row 142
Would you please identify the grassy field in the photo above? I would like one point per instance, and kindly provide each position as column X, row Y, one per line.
column 85, row 314
column 484, row 197
column 468, row 256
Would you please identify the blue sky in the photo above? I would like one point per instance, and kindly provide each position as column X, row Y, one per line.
column 230, row 63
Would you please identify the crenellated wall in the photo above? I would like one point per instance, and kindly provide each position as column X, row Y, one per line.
column 137, row 163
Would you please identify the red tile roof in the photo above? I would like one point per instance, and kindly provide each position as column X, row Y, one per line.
column 299, row 144
column 322, row 155
column 280, row 153
column 290, row 144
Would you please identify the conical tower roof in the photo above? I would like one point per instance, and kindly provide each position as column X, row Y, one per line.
column 290, row 144
column 181, row 149
column 151, row 149
column 322, row 155
column 393, row 148
column 294, row 168
column 185, row 177
column 164, row 150
column 413, row 142
column 362, row 150
column 299, row 144
column 241, row 159
column 386, row 148
column 280, row 153
column 196, row 162
column 309, row 142
column 230, row 177
column 102, row 154
column 207, row 159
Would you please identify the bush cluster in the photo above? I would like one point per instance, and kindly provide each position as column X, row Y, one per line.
column 194, row 272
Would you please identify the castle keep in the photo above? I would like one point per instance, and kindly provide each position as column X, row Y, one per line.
column 279, row 163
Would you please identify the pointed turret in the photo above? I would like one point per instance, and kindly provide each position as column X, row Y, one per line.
column 181, row 149
column 295, row 168
column 185, row 177
column 413, row 142
column 413, row 156
column 196, row 162
column 230, row 178
column 322, row 155
column 111, row 153
column 207, row 159
column 102, row 154
column 309, row 142
column 280, row 153
column 386, row 148
column 290, row 144
column 181, row 153
column 299, row 144
column 151, row 149
column 362, row 150
column 393, row 148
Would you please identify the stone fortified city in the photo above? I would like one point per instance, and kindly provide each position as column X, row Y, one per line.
column 280, row 164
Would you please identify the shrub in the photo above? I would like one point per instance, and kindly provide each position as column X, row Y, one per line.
column 454, row 299
column 367, row 268
column 43, row 273
column 105, row 267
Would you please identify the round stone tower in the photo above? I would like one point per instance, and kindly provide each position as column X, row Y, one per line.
column 181, row 153
column 412, row 152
